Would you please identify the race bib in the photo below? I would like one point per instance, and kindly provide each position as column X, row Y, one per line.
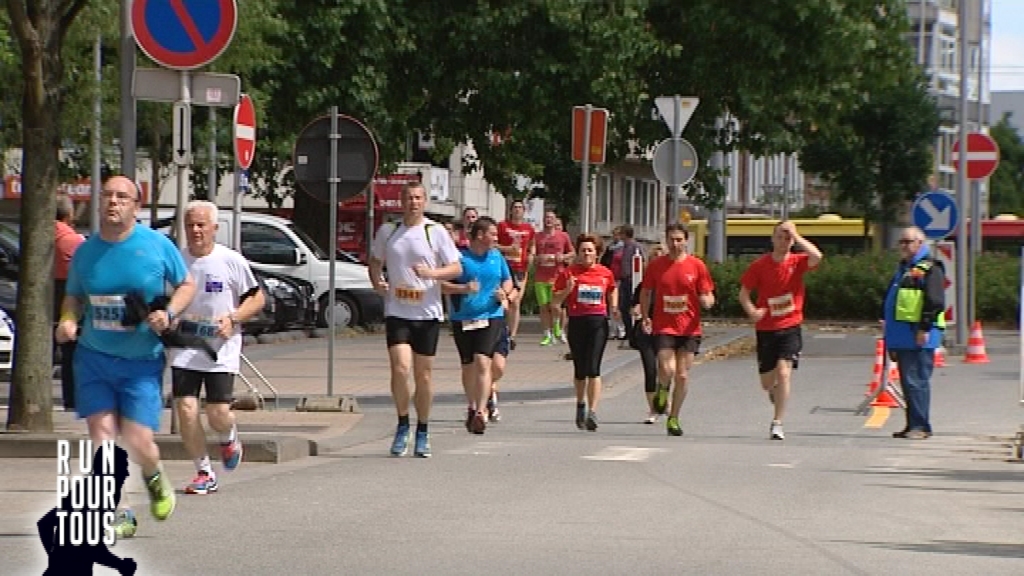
column 590, row 295
column 202, row 327
column 675, row 304
column 213, row 284
column 107, row 313
column 475, row 324
column 548, row 260
column 781, row 305
column 409, row 295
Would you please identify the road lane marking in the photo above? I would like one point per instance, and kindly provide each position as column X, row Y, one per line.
column 830, row 336
column 623, row 454
column 878, row 418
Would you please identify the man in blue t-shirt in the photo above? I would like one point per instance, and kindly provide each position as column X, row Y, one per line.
column 481, row 295
column 118, row 368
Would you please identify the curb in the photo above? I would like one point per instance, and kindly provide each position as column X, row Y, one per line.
column 259, row 447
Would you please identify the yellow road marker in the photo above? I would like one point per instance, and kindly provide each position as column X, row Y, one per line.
column 878, row 418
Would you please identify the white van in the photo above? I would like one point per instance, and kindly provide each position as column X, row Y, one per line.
column 278, row 246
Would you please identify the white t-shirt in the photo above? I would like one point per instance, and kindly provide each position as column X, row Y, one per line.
column 221, row 277
column 400, row 248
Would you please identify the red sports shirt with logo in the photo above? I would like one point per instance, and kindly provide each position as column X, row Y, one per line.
column 518, row 236
column 780, row 289
column 590, row 295
column 551, row 248
column 677, row 286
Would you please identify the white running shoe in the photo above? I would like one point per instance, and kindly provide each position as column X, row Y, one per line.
column 652, row 418
column 776, row 431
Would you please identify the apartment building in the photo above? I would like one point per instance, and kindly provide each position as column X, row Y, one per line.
column 935, row 37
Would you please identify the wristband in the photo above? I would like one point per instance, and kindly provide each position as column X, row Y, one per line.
column 68, row 317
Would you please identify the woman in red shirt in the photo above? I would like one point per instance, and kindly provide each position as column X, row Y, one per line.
column 589, row 291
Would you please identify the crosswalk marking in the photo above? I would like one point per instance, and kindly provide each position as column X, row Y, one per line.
column 623, row 454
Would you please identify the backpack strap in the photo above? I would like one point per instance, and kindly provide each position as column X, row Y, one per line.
column 426, row 230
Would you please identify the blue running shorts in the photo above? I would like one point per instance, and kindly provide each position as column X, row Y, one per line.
column 128, row 387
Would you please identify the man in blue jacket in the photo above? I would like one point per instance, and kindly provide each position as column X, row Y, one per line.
column 914, row 314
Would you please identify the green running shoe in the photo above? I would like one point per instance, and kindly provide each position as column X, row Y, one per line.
column 161, row 497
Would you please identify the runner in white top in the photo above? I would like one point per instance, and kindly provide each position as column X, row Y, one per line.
column 223, row 281
column 419, row 254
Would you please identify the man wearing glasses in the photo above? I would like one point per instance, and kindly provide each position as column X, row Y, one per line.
column 119, row 369
column 915, row 317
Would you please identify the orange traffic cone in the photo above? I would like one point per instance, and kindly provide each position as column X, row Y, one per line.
column 876, row 373
column 940, row 357
column 976, row 346
column 886, row 398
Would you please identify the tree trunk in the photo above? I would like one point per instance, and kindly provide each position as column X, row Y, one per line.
column 314, row 218
column 31, row 403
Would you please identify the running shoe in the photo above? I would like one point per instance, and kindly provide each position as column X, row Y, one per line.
column 493, row 414
column 558, row 332
column 422, row 444
column 581, row 416
column 546, row 340
column 478, row 424
column 673, row 427
column 231, row 454
column 776, row 431
column 400, row 445
column 661, row 399
column 126, row 525
column 470, row 415
column 161, row 497
column 652, row 418
column 203, row 483
column 591, row 422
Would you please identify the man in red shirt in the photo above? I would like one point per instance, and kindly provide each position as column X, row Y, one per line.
column 66, row 241
column 554, row 250
column 678, row 284
column 778, row 279
column 515, row 241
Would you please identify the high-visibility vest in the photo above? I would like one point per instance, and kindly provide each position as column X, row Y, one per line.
column 910, row 295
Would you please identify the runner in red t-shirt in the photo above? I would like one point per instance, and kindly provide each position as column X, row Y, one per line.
column 469, row 215
column 678, row 284
column 589, row 291
column 778, row 279
column 554, row 250
column 515, row 241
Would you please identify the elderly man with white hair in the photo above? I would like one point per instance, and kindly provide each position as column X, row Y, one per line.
column 227, row 294
column 914, row 313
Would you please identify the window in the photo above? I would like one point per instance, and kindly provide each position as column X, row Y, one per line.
column 628, row 190
column 644, row 210
column 604, row 198
column 266, row 244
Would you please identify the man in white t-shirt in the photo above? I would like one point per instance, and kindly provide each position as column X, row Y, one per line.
column 419, row 254
column 227, row 294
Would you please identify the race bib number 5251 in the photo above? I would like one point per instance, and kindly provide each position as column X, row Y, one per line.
column 107, row 313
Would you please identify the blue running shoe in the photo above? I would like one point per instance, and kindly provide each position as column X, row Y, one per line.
column 422, row 444
column 401, row 443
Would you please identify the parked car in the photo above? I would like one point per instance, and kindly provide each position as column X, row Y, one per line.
column 276, row 245
column 290, row 303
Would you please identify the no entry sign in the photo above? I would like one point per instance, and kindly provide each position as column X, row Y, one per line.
column 982, row 156
column 245, row 132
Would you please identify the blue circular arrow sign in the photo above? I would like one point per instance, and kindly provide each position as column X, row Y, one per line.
column 936, row 214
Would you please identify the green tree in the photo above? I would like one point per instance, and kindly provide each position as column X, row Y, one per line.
column 40, row 27
column 1006, row 187
column 883, row 156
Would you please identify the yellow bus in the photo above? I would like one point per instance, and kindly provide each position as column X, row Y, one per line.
column 752, row 236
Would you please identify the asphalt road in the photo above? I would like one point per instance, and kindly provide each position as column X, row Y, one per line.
column 536, row 496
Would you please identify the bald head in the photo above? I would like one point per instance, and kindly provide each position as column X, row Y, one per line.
column 121, row 184
column 913, row 233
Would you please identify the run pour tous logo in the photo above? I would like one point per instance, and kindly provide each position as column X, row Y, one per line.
column 76, row 532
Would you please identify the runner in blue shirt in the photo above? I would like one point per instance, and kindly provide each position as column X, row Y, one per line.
column 480, row 298
column 118, row 368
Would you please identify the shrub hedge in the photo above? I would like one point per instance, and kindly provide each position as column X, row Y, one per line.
column 852, row 288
